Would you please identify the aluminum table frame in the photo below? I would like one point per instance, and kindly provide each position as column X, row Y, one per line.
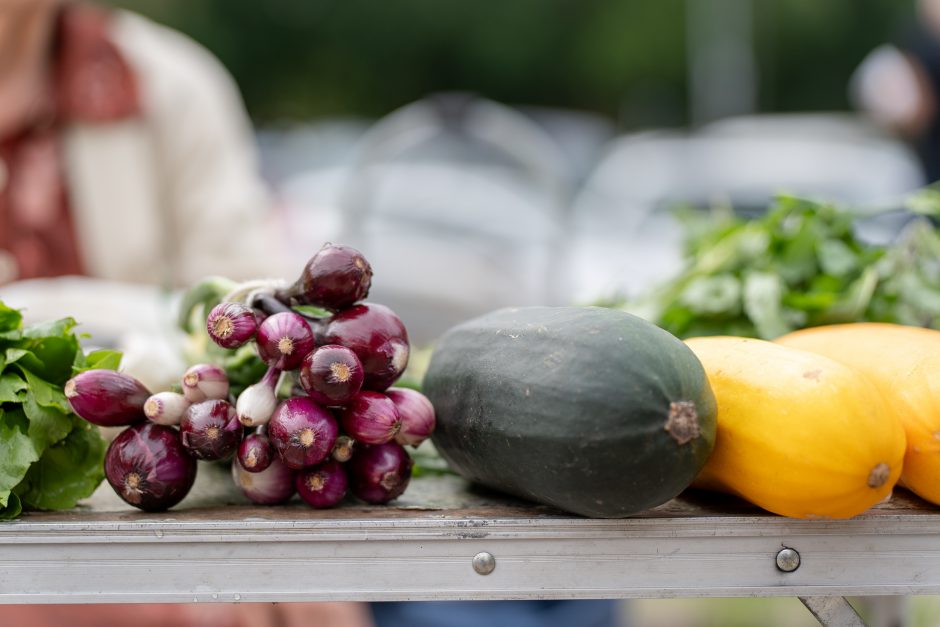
column 435, row 542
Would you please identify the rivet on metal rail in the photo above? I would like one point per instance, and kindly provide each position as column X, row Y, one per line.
column 484, row 563
column 788, row 560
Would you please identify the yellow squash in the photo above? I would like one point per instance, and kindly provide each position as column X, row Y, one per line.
column 904, row 362
column 798, row 434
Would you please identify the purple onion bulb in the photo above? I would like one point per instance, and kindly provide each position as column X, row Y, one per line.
column 378, row 474
column 371, row 418
column 417, row 415
column 231, row 325
column 166, row 408
column 107, row 398
column 335, row 278
column 255, row 452
column 148, row 467
column 322, row 486
column 205, row 382
column 302, row 432
column 332, row 375
column 343, row 449
column 271, row 486
column 284, row 339
column 256, row 403
column 377, row 336
column 210, row 430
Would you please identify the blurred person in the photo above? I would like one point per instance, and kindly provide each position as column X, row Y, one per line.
column 898, row 85
column 126, row 155
column 125, row 152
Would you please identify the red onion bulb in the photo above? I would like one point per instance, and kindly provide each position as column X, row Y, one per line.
column 378, row 474
column 417, row 415
column 255, row 452
column 331, row 375
column 231, row 325
column 166, row 408
column 371, row 418
column 378, row 338
column 273, row 485
column 210, row 430
column 302, row 432
column 107, row 398
column 205, row 382
column 284, row 339
column 322, row 486
column 343, row 449
column 334, row 278
column 148, row 467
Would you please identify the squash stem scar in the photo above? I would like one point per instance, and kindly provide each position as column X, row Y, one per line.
column 682, row 423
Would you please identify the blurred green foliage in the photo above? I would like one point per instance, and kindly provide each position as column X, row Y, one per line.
column 625, row 59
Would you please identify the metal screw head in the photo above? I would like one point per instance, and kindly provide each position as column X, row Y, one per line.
column 484, row 563
column 788, row 560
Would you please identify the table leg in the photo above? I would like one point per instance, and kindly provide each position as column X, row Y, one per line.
column 833, row 611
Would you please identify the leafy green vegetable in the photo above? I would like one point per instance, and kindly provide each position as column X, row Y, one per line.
column 800, row 264
column 49, row 458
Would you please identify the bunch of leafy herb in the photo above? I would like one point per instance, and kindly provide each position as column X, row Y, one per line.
column 49, row 457
column 799, row 265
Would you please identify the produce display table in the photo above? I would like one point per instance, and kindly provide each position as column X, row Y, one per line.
column 446, row 540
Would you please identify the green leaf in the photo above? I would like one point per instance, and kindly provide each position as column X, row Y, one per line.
column 836, row 258
column 857, row 298
column 47, row 425
column 66, row 472
column 200, row 299
column 11, row 388
column 10, row 319
column 46, row 394
column 97, row 360
column 925, row 202
column 16, row 454
column 104, row 359
column 720, row 294
column 763, row 295
column 312, row 312
column 14, row 354
column 51, row 357
column 12, row 509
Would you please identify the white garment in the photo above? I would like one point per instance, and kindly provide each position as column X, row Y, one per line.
column 173, row 195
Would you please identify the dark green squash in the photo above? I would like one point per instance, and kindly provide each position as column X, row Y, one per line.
column 591, row 410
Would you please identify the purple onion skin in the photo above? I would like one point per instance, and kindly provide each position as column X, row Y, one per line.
column 378, row 338
column 284, row 339
column 417, row 415
column 107, row 398
column 302, row 432
column 343, row 449
column 148, row 467
column 271, row 486
column 231, row 325
column 255, row 452
column 205, row 382
column 332, row 375
column 322, row 486
column 371, row 418
column 334, row 278
column 380, row 473
column 210, row 430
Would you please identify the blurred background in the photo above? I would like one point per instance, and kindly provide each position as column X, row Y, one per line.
column 488, row 153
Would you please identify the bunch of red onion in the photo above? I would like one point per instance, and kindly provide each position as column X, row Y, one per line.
column 343, row 427
column 152, row 463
